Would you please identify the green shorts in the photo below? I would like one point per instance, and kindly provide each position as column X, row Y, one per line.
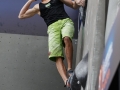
column 56, row 32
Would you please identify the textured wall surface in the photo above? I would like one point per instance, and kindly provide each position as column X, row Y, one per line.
column 93, row 40
column 24, row 64
column 100, row 17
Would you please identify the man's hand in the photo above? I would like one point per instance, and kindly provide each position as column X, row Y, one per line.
column 80, row 2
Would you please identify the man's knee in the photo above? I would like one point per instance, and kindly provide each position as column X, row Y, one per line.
column 67, row 40
column 59, row 59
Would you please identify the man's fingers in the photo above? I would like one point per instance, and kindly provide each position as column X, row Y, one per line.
column 80, row 2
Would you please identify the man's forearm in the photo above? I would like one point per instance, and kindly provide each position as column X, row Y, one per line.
column 25, row 7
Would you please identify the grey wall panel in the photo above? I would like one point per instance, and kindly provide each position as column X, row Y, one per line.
column 81, row 24
column 96, row 27
column 79, row 51
column 94, row 40
column 113, row 8
column 24, row 64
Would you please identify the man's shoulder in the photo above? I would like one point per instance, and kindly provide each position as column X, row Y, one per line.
column 36, row 6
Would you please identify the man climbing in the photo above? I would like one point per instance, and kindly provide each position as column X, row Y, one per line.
column 60, row 30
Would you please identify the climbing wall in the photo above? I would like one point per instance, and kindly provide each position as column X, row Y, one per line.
column 24, row 63
column 92, row 40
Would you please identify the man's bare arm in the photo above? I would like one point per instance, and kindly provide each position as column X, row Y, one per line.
column 26, row 12
column 73, row 4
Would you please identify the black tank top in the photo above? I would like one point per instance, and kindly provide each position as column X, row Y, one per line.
column 52, row 11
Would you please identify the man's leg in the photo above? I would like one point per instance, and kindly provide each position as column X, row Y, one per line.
column 67, row 34
column 61, row 69
column 56, row 49
column 68, row 51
